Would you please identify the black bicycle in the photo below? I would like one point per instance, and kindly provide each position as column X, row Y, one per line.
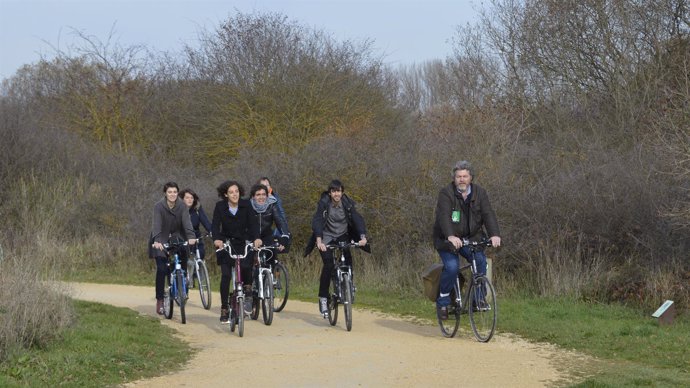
column 176, row 281
column 342, row 290
column 479, row 304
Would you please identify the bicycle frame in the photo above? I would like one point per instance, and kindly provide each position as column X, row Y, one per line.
column 264, row 266
column 236, row 304
column 480, row 303
column 177, row 291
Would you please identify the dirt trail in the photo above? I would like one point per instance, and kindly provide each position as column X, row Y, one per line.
column 301, row 349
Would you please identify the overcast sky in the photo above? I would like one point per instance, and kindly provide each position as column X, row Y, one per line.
column 405, row 31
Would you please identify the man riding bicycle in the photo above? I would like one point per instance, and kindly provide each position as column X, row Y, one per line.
column 335, row 220
column 463, row 210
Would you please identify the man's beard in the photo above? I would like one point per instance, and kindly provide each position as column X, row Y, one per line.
column 462, row 188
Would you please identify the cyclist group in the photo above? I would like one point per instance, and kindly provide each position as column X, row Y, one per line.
column 463, row 212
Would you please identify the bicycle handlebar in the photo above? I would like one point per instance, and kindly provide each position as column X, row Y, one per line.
column 169, row 245
column 485, row 242
column 228, row 247
column 343, row 245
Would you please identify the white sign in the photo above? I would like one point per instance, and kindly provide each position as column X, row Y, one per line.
column 662, row 309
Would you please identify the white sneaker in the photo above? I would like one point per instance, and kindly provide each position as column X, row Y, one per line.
column 323, row 305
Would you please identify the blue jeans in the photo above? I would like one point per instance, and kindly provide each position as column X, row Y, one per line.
column 451, row 265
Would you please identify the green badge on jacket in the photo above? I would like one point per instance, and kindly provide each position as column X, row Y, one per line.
column 455, row 216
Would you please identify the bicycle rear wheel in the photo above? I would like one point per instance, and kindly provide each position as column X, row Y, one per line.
column 482, row 308
column 255, row 306
column 333, row 303
column 181, row 295
column 281, row 284
column 346, row 287
column 204, row 285
column 167, row 299
column 449, row 327
column 267, row 301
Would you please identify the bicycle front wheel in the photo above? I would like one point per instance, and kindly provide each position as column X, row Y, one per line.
column 168, row 299
column 240, row 316
column 204, row 285
column 482, row 309
column 281, row 289
column 333, row 303
column 181, row 295
column 267, row 301
column 449, row 327
column 346, row 287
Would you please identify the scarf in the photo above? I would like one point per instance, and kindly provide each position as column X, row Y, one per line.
column 262, row 208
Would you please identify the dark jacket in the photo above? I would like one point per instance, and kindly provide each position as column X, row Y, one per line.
column 168, row 223
column 476, row 216
column 226, row 226
column 198, row 218
column 261, row 224
column 355, row 222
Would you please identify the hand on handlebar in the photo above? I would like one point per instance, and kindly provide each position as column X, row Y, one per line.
column 158, row 246
column 456, row 241
column 495, row 241
column 191, row 241
column 362, row 242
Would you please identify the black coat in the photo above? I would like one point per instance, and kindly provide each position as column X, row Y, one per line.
column 476, row 216
column 226, row 226
column 355, row 222
column 261, row 224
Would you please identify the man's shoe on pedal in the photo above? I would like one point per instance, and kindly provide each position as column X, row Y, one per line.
column 442, row 312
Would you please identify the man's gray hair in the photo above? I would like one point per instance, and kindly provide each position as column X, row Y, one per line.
column 463, row 165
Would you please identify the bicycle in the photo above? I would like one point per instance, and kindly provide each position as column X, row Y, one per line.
column 263, row 290
column 342, row 287
column 197, row 267
column 281, row 285
column 236, row 301
column 176, row 281
column 480, row 303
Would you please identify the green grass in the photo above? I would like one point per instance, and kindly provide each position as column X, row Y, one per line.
column 107, row 346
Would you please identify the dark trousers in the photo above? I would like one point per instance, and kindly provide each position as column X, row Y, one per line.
column 327, row 270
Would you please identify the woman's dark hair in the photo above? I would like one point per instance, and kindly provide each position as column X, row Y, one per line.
column 223, row 188
column 336, row 185
column 184, row 192
column 169, row 185
column 264, row 178
column 256, row 188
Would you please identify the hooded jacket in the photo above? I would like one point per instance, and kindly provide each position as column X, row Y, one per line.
column 355, row 222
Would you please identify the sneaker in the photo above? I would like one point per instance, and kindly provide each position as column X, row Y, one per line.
column 248, row 306
column 224, row 315
column 159, row 307
column 323, row 306
column 442, row 312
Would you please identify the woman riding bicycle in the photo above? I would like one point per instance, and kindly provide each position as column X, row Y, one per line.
column 197, row 215
column 170, row 220
column 335, row 220
column 230, row 223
